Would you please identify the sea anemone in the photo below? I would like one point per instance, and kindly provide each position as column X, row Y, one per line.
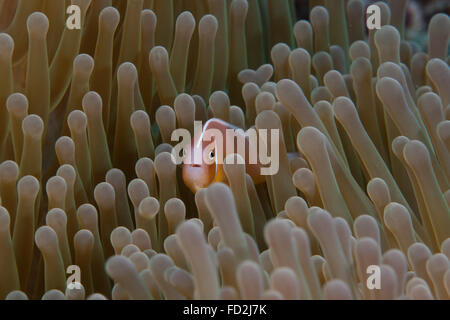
column 88, row 181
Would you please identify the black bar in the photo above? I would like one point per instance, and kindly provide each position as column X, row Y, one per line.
column 194, row 310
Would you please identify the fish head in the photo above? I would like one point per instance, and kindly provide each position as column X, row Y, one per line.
column 200, row 174
column 205, row 156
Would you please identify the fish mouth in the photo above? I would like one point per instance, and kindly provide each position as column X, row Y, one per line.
column 196, row 177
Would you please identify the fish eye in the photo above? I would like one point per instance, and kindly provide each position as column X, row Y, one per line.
column 212, row 154
column 183, row 153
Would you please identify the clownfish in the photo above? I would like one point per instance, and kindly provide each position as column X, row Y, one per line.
column 212, row 152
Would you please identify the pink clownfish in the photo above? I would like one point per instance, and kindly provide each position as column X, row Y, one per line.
column 211, row 152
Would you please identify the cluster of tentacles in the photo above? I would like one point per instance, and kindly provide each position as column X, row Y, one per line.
column 86, row 177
